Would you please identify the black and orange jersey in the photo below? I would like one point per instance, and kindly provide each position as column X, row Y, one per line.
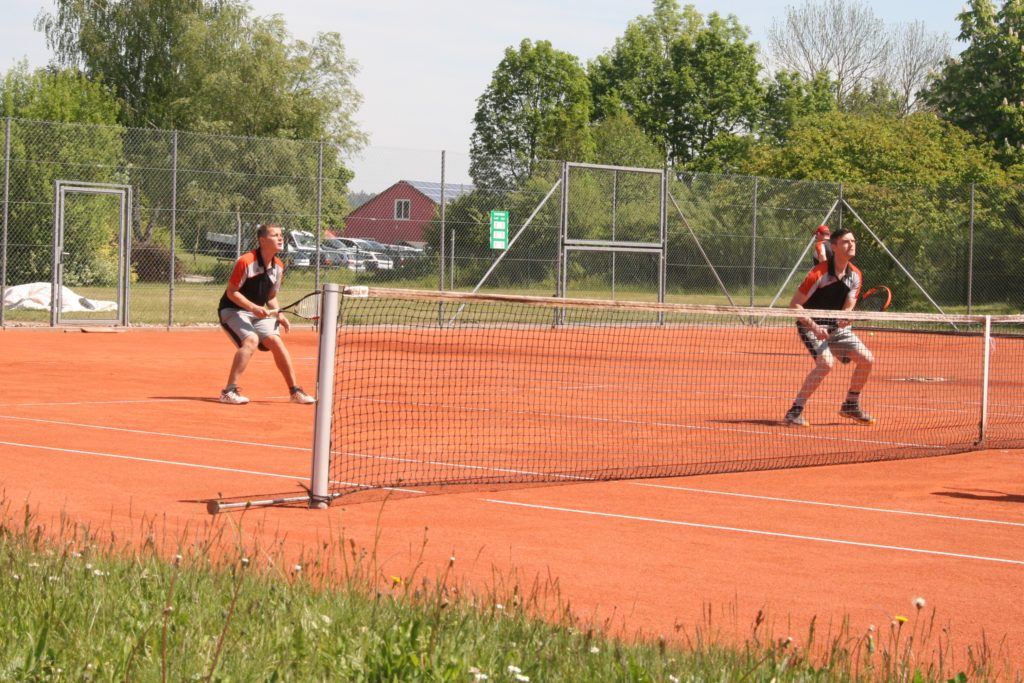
column 826, row 290
column 256, row 282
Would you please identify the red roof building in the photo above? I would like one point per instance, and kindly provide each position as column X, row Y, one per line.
column 400, row 213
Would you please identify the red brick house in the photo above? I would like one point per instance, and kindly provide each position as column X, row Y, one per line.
column 400, row 213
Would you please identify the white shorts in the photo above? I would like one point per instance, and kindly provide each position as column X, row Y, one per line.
column 240, row 324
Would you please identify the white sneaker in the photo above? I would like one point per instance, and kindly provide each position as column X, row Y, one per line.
column 300, row 396
column 233, row 397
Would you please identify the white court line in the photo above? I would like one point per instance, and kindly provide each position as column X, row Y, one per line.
column 91, row 403
column 154, row 461
column 144, row 432
column 756, row 532
column 119, row 402
column 797, row 501
column 178, row 463
column 567, row 478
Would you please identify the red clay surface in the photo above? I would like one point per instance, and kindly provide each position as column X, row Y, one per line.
column 113, row 428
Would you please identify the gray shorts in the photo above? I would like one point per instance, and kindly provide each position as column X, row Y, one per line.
column 240, row 324
column 841, row 342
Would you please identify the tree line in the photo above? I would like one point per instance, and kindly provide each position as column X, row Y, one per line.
column 694, row 93
column 848, row 100
column 835, row 96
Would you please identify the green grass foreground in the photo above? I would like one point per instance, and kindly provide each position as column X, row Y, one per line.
column 81, row 608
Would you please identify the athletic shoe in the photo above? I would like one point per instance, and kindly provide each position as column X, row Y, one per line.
column 233, row 397
column 795, row 418
column 852, row 411
column 300, row 396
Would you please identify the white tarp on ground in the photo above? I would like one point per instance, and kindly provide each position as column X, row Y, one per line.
column 35, row 296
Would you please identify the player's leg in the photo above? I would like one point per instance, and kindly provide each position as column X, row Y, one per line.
column 272, row 342
column 239, row 327
column 864, row 361
column 824, row 361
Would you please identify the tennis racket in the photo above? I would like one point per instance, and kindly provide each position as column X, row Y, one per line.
column 308, row 307
column 876, row 299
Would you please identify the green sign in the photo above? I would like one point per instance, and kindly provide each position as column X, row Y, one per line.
column 499, row 229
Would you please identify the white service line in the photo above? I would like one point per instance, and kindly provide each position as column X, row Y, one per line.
column 177, row 463
column 155, row 461
column 797, row 501
column 63, row 423
column 754, row 532
column 121, row 402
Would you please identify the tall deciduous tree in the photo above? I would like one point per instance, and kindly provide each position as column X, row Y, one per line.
column 982, row 91
column 208, row 64
column 690, row 83
column 846, row 40
column 917, row 54
column 131, row 44
column 39, row 102
column 788, row 98
column 620, row 141
column 919, row 149
column 537, row 106
column 56, row 95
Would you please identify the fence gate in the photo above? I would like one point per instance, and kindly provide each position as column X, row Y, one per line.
column 613, row 239
column 91, row 253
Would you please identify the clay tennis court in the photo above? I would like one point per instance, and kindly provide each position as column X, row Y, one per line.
column 111, row 429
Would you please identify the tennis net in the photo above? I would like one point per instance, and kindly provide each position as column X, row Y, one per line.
column 436, row 388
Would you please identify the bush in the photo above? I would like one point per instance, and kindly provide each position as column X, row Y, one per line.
column 151, row 263
column 221, row 270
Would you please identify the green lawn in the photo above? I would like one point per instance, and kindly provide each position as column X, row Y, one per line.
column 78, row 607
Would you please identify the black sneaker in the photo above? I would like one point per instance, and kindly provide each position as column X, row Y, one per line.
column 852, row 411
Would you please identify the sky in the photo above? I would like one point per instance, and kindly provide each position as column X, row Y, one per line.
column 422, row 65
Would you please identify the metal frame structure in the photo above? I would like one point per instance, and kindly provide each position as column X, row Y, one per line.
column 566, row 245
column 61, row 189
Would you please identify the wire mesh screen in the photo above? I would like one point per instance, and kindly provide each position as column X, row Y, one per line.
column 528, row 262
column 435, row 388
column 416, row 219
column 613, row 204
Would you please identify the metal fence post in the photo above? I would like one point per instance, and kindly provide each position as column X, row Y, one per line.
column 615, row 198
column 319, row 209
column 753, row 248
column 841, row 202
column 3, row 240
column 970, row 255
column 174, row 224
column 441, row 246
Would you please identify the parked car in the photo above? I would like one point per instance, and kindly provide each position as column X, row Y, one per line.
column 403, row 256
column 376, row 261
column 299, row 249
column 376, row 256
column 349, row 258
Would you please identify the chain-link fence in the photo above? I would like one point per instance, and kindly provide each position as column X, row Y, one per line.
column 412, row 218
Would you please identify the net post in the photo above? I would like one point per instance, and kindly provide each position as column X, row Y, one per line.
column 319, row 497
column 986, row 358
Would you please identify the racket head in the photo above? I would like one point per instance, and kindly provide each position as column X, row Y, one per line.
column 876, row 299
column 308, row 307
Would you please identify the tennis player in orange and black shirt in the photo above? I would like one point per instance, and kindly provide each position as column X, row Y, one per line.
column 245, row 314
column 833, row 284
